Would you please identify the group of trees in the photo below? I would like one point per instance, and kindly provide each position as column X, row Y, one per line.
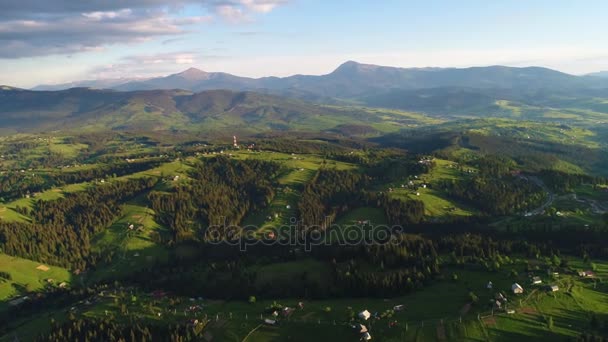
column 219, row 193
column 563, row 181
column 91, row 329
column 61, row 230
column 330, row 193
column 17, row 184
column 496, row 196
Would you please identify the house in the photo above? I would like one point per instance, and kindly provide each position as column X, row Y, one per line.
column 496, row 304
column 360, row 328
column 18, row 301
column 366, row 337
column 553, row 288
column 517, row 289
column 287, row 311
column 536, row 280
column 365, row 315
column 587, row 274
column 399, row 307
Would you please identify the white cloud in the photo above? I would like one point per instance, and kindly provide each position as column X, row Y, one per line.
column 30, row 28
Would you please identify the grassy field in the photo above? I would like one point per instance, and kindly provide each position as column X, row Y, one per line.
column 133, row 248
column 25, row 277
column 375, row 216
column 437, row 204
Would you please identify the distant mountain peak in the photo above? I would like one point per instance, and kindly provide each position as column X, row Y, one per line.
column 193, row 74
column 5, row 87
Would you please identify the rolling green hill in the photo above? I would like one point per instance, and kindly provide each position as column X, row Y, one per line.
column 81, row 109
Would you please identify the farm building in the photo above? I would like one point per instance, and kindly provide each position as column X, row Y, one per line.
column 586, row 274
column 536, row 280
column 516, row 288
column 360, row 328
column 18, row 301
column 270, row 321
column 365, row 315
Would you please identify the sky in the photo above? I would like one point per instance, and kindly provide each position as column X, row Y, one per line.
column 58, row 41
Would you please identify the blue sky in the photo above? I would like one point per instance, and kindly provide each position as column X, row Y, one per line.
column 57, row 41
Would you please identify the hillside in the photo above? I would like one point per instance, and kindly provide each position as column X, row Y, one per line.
column 161, row 110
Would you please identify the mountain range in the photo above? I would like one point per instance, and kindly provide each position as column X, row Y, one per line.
column 351, row 98
column 352, row 80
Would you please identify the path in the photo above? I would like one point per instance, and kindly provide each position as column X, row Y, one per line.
column 252, row 331
column 550, row 196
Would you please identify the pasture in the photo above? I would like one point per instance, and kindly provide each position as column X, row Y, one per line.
column 26, row 276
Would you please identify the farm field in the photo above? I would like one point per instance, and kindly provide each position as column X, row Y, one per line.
column 437, row 204
column 27, row 276
column 134, row 248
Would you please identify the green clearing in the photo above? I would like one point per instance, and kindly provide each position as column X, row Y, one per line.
column 26, row 278
column 133, row 249
column 437, row 204
column 375, row 216
column 299, row 170
column 10, row 215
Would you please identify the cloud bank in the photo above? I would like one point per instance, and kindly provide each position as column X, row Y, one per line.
column 32, row 28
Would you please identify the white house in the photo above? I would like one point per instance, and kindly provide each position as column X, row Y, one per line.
column 517, row 288
column 365, row 315
column 270, row 321
column 360, row 328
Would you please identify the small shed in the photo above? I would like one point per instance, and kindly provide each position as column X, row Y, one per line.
column 365, row 315
column 490, row 285
column 536, row 281
column 270, row 321
column 360, row 328
column 517, row 289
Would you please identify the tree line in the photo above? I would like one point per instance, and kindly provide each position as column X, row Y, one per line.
column 61, row 230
